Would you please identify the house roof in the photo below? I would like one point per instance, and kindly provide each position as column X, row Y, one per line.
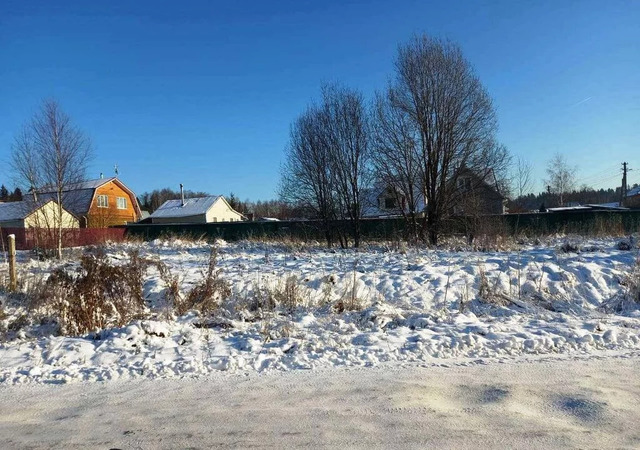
column 19, row 210
column 89, row 184
column 14, row 211
column 192, row 207
column 77, row 202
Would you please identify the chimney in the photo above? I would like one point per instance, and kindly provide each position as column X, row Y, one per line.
column 182, row 194
column 101, row 175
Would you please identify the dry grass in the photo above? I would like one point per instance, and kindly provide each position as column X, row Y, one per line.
column 206, row 296
column 489, row 292
column 99, row 294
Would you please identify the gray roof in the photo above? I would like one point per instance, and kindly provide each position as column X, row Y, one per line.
column 15, row 210
column 11, row 211
column 90, row 184
column 192, row 207
column 77, row 202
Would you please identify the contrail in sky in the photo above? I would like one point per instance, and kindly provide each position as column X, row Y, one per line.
column 581, row 102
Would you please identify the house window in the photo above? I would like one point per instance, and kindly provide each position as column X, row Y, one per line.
column 464, row 184
column 390, row 202
column 121, row 202
column 103, row 201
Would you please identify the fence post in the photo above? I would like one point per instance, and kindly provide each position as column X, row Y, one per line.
column 13, row 282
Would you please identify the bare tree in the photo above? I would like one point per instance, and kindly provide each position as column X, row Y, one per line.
column 522, row 180
column 561, row 177
column 395, row 158
column 51, row 153
column 436, row 87
column 327, row 163
column 345, row 130
column 307, row 178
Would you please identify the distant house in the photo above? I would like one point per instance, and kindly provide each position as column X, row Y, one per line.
column 383, row 201
column 632, row 200
column 97, row 203
column 196, row 210
column 29, row 214
column 478, row 194
column 473, row 194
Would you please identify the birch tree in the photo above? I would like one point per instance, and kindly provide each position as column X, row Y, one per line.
column 561, row 177
column 51, row 153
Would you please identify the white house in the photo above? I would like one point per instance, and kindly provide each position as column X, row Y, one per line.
column 196, row 210
column 27, row 214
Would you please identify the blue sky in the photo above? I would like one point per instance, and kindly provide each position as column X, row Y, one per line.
column 203, row 93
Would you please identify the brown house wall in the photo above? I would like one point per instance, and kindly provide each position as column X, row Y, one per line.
column 103, row 217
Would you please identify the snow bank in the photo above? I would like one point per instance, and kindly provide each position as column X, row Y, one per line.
column 421, row 305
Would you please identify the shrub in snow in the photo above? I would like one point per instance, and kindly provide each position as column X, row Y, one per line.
column 569, row 247
column 489, row 292
column 99, row 295
column 629, row 296
column 624, row 245
column 206, row 296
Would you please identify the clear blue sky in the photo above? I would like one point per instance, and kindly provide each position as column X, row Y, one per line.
column 203, row 92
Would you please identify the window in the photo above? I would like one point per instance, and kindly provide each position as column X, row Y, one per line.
column 390, row 202
column 121, row 202
column 464, row 184
column 103, row 201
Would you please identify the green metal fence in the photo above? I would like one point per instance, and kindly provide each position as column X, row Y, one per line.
column 580, row 222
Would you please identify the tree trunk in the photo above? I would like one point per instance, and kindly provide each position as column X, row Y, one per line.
column 59, row 227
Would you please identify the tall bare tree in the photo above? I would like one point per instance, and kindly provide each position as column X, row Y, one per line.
column 436, row 87
column 395, row 158
column 307, row 177
column 50, row 152
column 327, row 163
column 561, row 177
column 346, row 131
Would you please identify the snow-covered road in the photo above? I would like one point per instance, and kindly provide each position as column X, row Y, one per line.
column 546, row 402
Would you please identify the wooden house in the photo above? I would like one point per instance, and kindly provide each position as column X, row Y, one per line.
column 98, row 203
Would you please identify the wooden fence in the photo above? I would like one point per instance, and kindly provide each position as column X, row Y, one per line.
column 33, row 238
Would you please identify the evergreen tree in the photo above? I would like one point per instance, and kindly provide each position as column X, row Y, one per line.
column 16, row 196
column 4, row 193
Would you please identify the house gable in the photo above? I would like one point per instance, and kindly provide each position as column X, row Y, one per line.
column 221, row 211
column 112, row 203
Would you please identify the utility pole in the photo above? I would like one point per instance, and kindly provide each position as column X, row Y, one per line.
column 624, row 187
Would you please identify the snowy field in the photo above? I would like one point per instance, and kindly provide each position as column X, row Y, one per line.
column 379, row 306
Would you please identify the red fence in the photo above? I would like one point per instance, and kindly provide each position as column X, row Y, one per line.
column 30, row 238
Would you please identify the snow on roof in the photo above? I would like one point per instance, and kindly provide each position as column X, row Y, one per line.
column 612, row 205
column 569, row 208
column 192, row 207
column 633, row 192
column 89, row 184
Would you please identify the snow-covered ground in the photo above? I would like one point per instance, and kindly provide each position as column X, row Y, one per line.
column 555, row 402
column 409, row 306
